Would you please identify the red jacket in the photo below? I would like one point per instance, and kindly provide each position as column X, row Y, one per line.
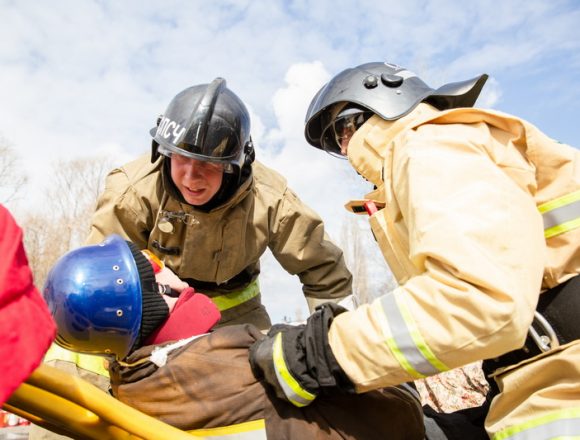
column 26, row 326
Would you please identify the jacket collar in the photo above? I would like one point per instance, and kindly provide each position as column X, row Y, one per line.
column 368, row 147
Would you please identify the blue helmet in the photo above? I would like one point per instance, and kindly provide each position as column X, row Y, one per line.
column 95, row 296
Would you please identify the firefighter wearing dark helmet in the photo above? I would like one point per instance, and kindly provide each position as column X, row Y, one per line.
column 208, row 210
column 478, row 216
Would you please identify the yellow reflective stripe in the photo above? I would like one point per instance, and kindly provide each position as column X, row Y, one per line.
column 564, row 424
column 561, row 214
column 88, row 362
column 559, row 202
column 239, row 428
column 560, row 229
column 420, row 342
column 292, row 389
column 233, row 299
column 405, row 341
column 401, row 359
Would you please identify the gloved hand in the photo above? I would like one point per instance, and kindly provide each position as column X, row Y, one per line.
column 297, row 362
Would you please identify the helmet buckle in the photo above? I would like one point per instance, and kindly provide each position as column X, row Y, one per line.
column 391, row 80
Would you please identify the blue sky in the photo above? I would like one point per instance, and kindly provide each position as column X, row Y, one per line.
column 81, row 78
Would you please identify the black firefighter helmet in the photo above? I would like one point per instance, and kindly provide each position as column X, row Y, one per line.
column 388, row 90
column 206, row 122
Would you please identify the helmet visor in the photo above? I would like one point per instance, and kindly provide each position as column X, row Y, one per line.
column 337, row 134
column 213, row 163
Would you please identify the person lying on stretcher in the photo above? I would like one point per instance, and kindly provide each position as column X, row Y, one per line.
column 166, row 361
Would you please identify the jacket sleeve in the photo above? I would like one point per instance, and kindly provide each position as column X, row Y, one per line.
column 26, row 326
column 302, row 247
column 475, row 241
column 121, row 210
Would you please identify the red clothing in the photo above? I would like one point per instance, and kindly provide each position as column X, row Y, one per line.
column 26, row 326
column 193, row 314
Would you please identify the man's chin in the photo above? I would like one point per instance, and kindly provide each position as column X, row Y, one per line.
column 195, row 201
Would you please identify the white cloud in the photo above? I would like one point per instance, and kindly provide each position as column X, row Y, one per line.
column 490, row 95
column 80, row 77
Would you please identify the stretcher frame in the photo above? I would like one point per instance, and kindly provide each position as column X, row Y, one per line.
column 68, row 405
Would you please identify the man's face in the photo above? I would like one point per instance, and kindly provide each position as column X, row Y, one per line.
column 344, row 128
column 346, row 120
column 343, row 131
column 196, row 180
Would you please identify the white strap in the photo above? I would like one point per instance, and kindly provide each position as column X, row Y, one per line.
column 159, row 354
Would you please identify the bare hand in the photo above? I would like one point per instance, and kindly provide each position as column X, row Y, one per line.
column 170, row 301
column 168, row 278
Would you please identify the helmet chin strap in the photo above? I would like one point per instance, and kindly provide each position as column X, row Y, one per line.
column 154, row 151
column 249, row 153
column 154, row 145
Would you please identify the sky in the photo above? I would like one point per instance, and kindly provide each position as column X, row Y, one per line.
column 81, row 78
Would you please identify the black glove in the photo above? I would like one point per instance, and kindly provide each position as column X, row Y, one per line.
column 297, row 360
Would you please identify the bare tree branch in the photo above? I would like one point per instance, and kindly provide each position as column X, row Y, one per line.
column 12, row 178
column 72, row 198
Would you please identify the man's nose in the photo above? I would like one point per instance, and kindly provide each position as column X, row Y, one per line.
column 344, row 145
column 194, row 168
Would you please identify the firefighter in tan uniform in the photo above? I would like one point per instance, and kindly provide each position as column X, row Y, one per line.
column 478, row 215
column 203, row 206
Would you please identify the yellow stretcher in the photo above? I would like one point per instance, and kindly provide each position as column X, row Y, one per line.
column 71, row 406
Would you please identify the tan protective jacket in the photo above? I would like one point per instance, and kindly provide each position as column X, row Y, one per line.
column 209, row 249
column 481, row 214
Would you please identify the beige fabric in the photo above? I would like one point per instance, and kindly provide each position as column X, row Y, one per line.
column 216, row 246
column 461, row 233
column 550, row 382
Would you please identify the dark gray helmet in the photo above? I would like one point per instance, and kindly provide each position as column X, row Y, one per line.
column 385, row 89
column 206, row 122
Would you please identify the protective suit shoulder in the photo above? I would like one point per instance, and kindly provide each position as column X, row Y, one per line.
column 129, row 202
column 141, row 175
column 266, row 179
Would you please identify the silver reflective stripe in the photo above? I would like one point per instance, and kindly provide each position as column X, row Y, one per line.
column 563, row 424
column 405, row 349
column 561, row 215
